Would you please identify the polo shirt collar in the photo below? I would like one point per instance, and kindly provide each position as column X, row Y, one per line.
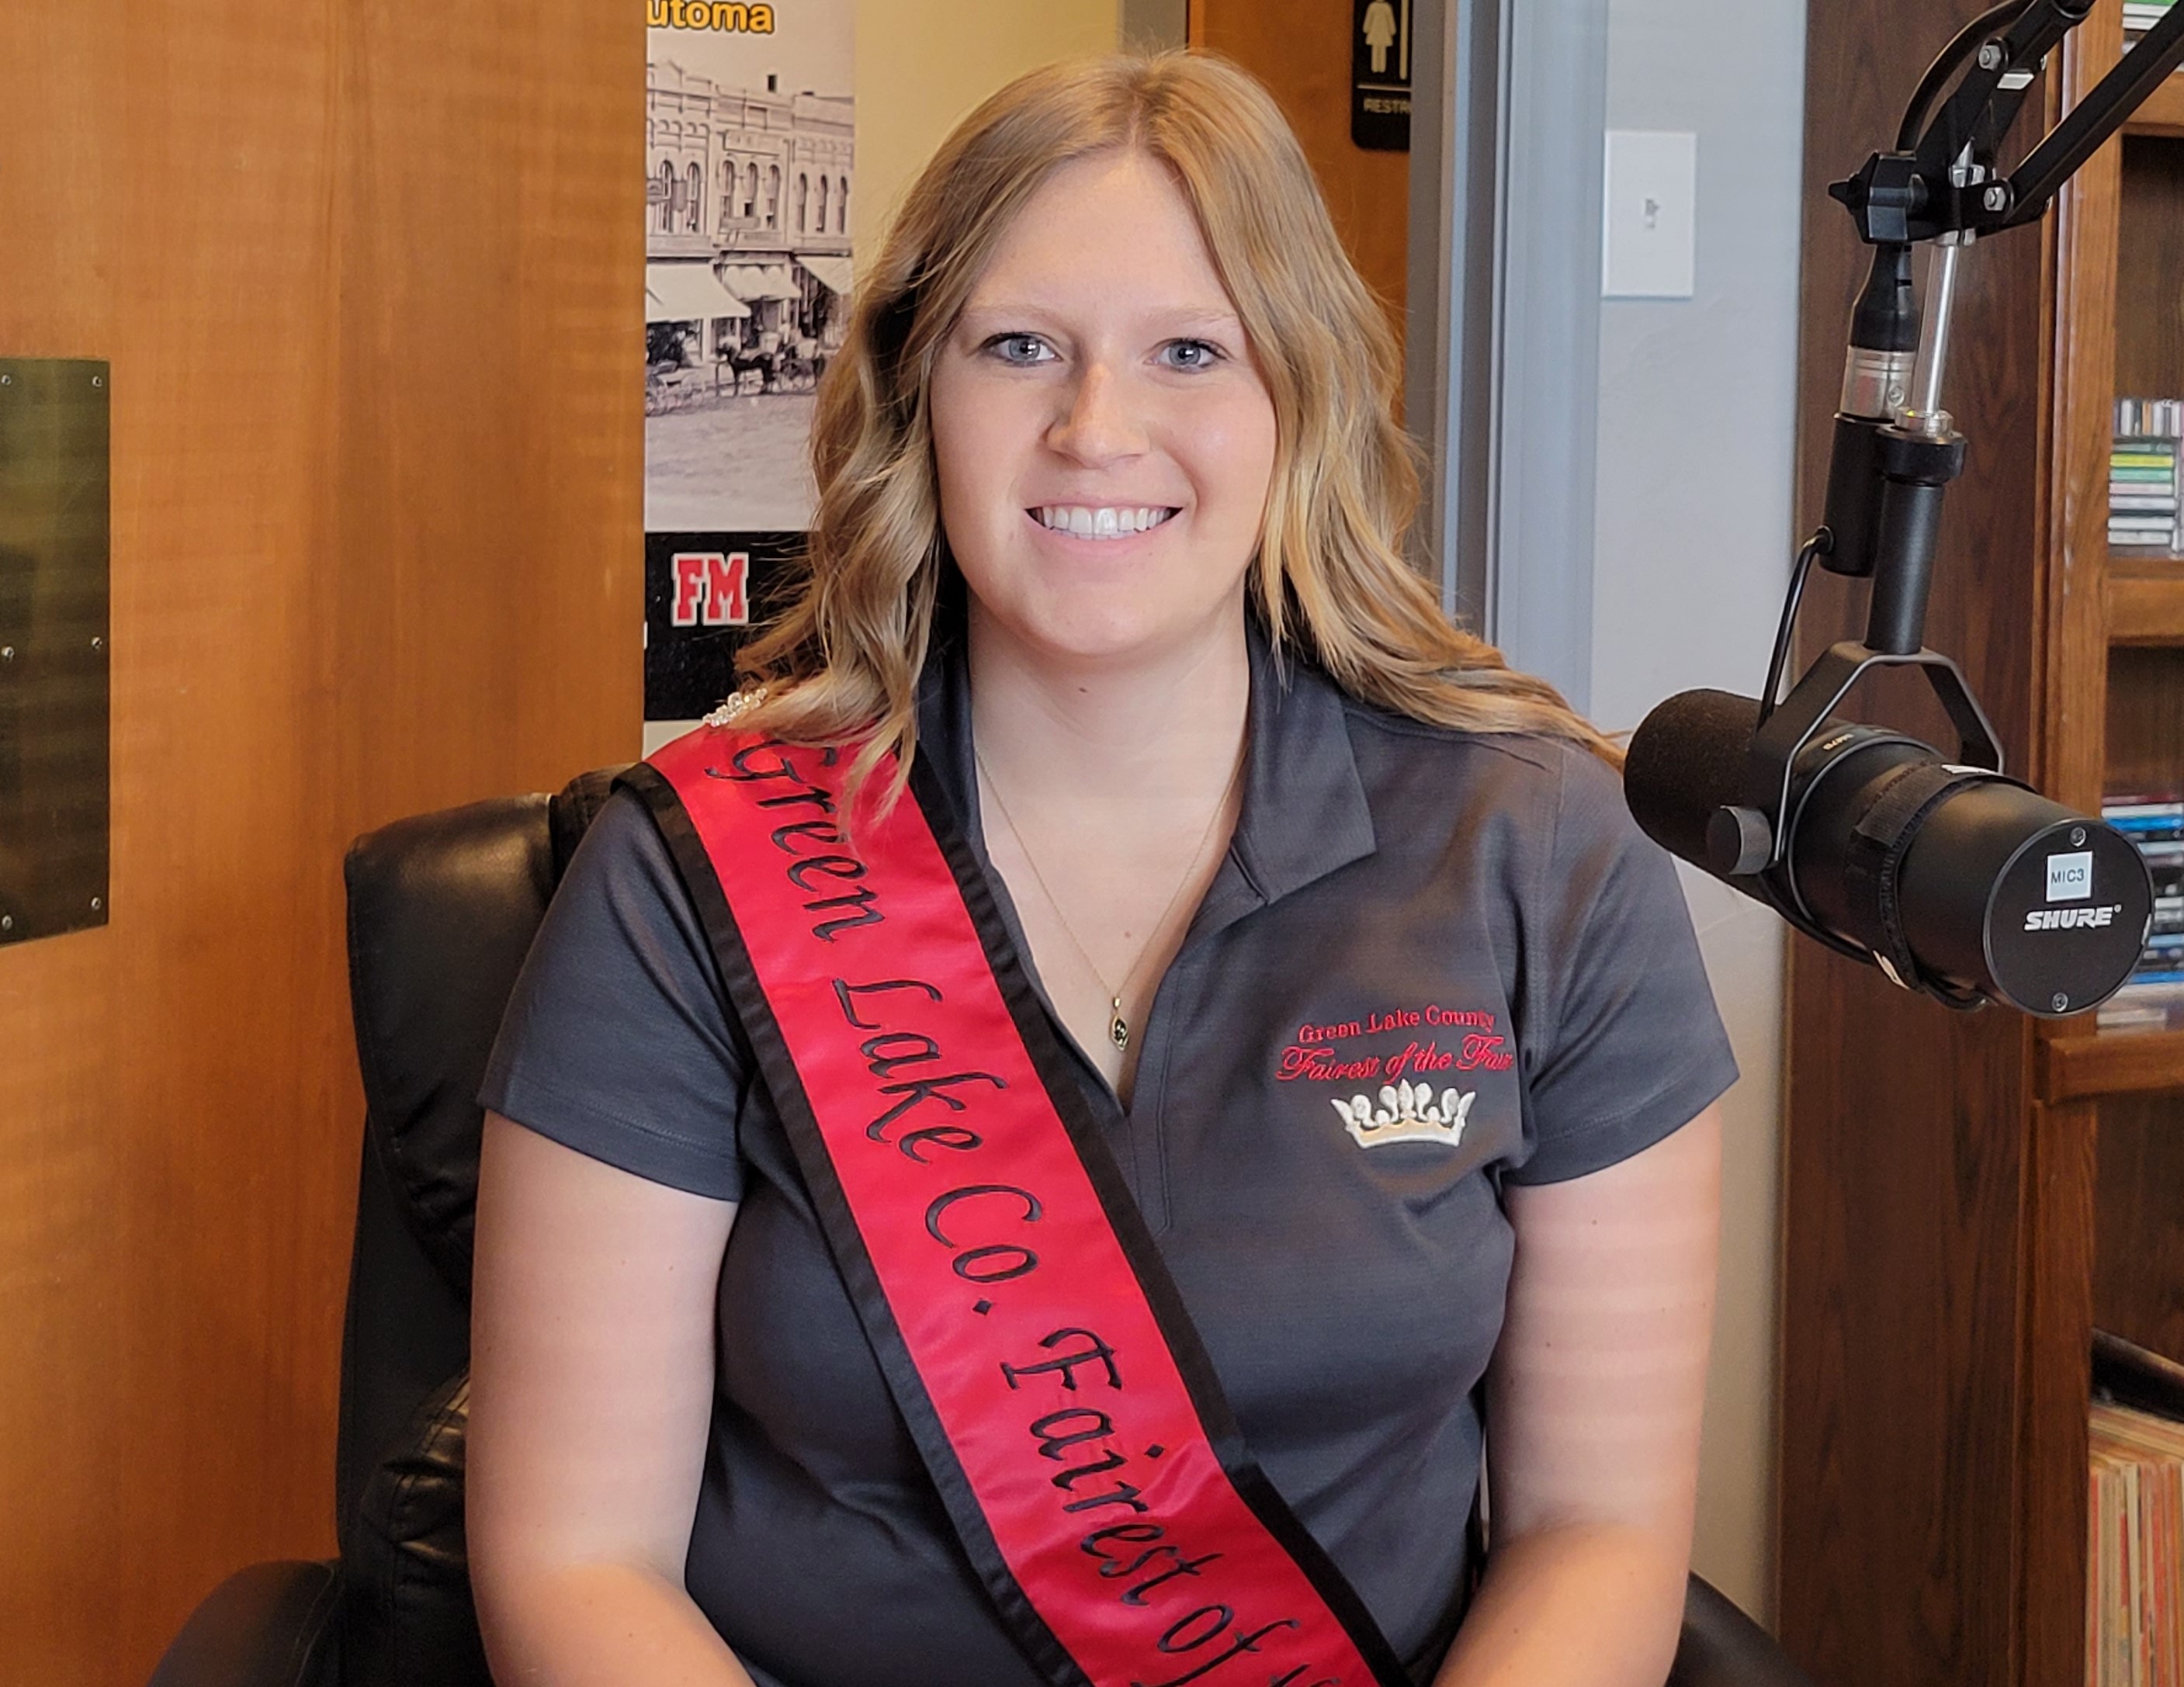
column 1304, row 812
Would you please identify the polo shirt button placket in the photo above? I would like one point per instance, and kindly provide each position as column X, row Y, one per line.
column 1174, row 1001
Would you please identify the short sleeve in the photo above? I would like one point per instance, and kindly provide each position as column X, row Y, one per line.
column 616, row 1041
column 1622, row 1042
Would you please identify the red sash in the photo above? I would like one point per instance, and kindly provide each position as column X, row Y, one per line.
column 1031, row 1338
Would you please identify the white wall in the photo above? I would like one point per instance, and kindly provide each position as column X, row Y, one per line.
column 1697, row 440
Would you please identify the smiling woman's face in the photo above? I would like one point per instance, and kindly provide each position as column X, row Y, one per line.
column 1103, row 438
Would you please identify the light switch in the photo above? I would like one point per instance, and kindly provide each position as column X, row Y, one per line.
column 1649, row 215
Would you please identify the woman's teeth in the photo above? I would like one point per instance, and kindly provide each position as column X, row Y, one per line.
column 1099, row 524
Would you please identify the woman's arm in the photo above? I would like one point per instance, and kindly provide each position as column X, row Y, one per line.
column 1593, row 1407
column 591, row 1362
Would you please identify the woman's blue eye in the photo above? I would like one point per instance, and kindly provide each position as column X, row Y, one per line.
column 1018, row 348
column 1191, row 354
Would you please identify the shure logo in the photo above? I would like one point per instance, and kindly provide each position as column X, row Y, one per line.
column 2064, row 919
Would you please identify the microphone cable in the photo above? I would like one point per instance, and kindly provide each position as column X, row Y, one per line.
column 1785, row 631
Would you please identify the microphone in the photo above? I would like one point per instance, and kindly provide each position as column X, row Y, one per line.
column 1956, row 881
column 1950, row 878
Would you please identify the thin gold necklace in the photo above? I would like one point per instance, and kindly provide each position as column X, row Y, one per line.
column 1118, row 1027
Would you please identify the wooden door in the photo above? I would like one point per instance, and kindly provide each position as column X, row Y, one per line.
column 369, row 275
column 1301, row 50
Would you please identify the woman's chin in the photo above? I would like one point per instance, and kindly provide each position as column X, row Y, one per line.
column 1108, row 630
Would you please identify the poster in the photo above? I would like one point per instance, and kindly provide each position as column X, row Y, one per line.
column 750, row 205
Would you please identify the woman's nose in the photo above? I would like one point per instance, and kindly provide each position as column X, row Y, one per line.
column 1101, row 424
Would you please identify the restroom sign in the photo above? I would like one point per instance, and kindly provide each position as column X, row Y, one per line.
column 1380, row 75
column 712, row 588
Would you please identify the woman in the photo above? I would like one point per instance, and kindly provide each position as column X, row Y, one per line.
column 1393, row 1028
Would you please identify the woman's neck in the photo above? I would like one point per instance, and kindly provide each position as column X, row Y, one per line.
column 1167, row 726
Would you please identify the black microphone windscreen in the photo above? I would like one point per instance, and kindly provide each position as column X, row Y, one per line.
column 1686, row 759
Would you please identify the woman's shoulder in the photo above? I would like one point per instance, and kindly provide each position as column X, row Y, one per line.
column 622, row 904
column 1543, row 816
column 618, row 1040
column 622, row 854
column 623, row 824
column 1545, row 779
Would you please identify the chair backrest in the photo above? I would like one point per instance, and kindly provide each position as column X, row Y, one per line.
column 442, row 911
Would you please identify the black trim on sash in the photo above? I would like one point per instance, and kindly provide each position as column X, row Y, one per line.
column 1051, row 1062
column 1026, row 1626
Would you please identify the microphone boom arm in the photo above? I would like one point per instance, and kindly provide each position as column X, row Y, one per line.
column 2108, row 104
column 1896, row 448
column 1908, row 196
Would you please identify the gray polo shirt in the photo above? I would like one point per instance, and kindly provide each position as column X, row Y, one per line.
column 1432, row 963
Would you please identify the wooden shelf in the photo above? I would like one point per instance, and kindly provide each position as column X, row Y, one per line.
column 1951, row 1306
column 2075, row 1068
column 2162, row 114
column 2137, row 1376
column 2145, row 599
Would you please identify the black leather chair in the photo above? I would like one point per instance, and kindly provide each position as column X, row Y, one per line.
column 441, row 910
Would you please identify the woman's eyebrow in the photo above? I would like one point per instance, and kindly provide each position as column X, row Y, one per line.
column 1195, row 317
column 1164, row 319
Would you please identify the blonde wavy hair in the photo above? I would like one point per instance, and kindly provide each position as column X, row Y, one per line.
column 841, row 663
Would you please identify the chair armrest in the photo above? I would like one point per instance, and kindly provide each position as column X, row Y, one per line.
column 270, row 1625
column 1722, row 1647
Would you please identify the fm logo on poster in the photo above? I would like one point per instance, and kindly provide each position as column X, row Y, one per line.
column 712, row 589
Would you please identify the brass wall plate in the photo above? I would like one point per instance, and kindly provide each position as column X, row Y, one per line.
column 55, row 807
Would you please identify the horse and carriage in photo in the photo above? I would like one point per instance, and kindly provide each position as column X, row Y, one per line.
column 675, row 380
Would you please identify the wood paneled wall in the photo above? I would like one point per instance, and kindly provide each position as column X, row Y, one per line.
column 2150, row 319
column 369, row 275
column 1301, row 50
column 1939, row 1232
column 2138, row 1263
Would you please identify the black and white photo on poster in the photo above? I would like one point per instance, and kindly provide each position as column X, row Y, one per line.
column 750, row 208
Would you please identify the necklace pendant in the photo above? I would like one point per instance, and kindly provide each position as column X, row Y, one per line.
column 1118, row 1028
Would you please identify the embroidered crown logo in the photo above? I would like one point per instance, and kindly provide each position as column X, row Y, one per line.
column 1406, row 1113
